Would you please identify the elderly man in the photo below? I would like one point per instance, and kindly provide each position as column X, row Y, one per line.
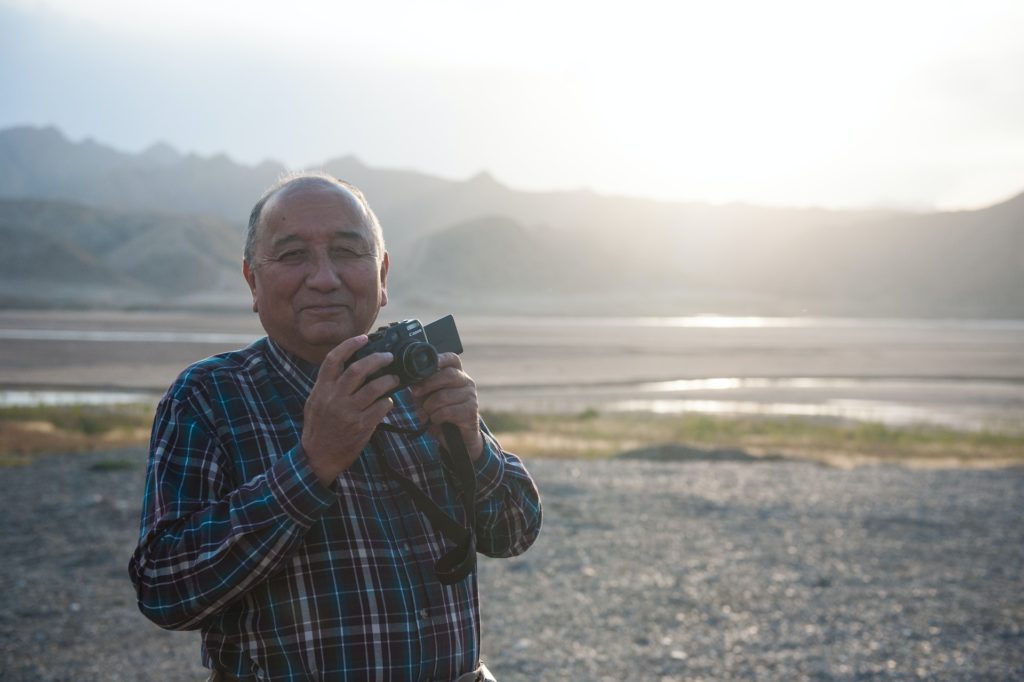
column 273, row 521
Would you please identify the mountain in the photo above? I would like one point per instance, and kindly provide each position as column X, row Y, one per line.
column 168, row 226
column 490, row 254
column 41, row 163
column 62, row 253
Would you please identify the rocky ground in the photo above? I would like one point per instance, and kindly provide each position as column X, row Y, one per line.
column 644, row 571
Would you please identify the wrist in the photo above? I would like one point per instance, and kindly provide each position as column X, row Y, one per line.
column 320, row 466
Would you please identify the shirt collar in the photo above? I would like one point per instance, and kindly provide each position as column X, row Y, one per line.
column 300, row 374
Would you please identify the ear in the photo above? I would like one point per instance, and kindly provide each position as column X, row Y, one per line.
column 250, row 278
column 384, row 265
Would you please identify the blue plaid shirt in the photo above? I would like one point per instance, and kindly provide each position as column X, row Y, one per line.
column 289, row 579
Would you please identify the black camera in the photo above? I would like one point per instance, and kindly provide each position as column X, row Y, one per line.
column 414, row 346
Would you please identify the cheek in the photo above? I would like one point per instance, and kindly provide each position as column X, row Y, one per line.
column 363, row 282
column 276, row 288
column 275, row 309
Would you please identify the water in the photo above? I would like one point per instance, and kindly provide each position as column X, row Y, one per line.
column 979, row 405
column 961, row 373
column 972, row 405
column 126, row 336
column 29, row 398
column 756, row 322
column 530, row 322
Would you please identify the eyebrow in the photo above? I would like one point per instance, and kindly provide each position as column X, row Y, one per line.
column 345, row 235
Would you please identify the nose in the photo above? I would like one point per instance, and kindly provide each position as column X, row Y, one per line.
column 323, row 276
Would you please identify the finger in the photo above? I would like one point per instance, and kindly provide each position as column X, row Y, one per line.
column 459, row 415
column 372, row 391
column 450, row 377
column 449, row 397
column 463, row 415
column 334, row 362
column 361, row 424
column 449, row 360
column 379, row 409
column 356, row 374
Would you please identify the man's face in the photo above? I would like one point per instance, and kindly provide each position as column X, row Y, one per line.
column 316, row 277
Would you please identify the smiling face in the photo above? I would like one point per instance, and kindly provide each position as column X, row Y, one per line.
column 317, row 275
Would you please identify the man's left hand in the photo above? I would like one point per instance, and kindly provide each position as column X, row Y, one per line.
column 450, row 396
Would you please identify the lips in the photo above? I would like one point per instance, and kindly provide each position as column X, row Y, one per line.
column 323, row 308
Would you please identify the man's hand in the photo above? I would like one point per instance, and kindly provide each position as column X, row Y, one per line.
column 450, row 396
column 343, row 410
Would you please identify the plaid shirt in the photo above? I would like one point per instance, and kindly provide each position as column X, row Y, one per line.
column 289, row 579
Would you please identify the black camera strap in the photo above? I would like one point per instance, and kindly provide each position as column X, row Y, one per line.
column 459, row 561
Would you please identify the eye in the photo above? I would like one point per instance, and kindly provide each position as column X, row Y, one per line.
column 293, row 256
column 345, row 253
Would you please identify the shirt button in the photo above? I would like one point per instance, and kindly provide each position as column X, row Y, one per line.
column 423, row 614
column 405, row 548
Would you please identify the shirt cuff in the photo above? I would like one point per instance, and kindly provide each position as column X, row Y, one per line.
column 297, row 489
column 489, row 468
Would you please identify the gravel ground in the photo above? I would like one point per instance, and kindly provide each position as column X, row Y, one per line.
column 644, row 571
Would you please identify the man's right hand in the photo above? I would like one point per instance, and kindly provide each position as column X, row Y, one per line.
column 343, row 409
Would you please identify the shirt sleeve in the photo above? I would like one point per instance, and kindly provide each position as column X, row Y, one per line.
column 508, row 505
column 204, row 541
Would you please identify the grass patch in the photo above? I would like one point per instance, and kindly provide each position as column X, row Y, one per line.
column 594, row 435
column 85, row 419
column 27, row 432
column 506, row 422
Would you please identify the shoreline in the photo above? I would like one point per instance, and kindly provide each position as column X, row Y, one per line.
column 28, row 433
column 849, row 394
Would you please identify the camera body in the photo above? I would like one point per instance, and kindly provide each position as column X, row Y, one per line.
column 415, row 357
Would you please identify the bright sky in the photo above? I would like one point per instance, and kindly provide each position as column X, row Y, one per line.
column 911, row 103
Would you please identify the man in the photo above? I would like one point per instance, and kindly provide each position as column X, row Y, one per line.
column 272, row 521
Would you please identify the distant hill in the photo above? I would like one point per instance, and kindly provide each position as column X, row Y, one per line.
column 163, row 226
column 41, row 163
column 61, row 253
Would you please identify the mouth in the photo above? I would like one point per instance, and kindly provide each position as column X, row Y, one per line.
column 323, row 309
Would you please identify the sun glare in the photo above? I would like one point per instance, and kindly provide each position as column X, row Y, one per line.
column 791, row 102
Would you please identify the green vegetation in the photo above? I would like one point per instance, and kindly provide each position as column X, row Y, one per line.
column 29, row 431
column 85, row 419
column 506, row 422
column 26, row 432
column 594, row 435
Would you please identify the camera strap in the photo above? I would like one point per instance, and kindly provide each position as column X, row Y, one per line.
column 459, row 561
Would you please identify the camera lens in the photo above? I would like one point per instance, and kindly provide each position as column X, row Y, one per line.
column 419, row 360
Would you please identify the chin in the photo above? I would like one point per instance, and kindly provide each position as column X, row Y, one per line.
column 327, row 333
column 323, row 340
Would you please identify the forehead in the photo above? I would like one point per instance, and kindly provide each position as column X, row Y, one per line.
column 319, row 212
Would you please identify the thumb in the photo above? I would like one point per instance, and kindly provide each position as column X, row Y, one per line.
column 334, row 364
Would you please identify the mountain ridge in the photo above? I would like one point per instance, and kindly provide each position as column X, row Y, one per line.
column 148, row 216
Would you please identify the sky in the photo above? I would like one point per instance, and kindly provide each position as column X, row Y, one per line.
column 901, row 104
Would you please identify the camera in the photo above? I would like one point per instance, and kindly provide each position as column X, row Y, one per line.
column 414, row 346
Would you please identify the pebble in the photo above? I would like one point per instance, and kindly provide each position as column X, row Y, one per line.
column 643, row 571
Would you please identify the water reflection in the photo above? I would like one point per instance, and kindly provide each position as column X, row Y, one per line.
column 859, row 410
column 755, row 322
column 129, row 336
column 33, row 398
column 966, row 418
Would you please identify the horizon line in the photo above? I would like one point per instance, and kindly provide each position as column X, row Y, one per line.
column 286, row 167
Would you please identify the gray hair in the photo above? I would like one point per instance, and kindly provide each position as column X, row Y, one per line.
column 302, row 179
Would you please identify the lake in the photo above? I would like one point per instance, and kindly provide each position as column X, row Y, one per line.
column 962, row 373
